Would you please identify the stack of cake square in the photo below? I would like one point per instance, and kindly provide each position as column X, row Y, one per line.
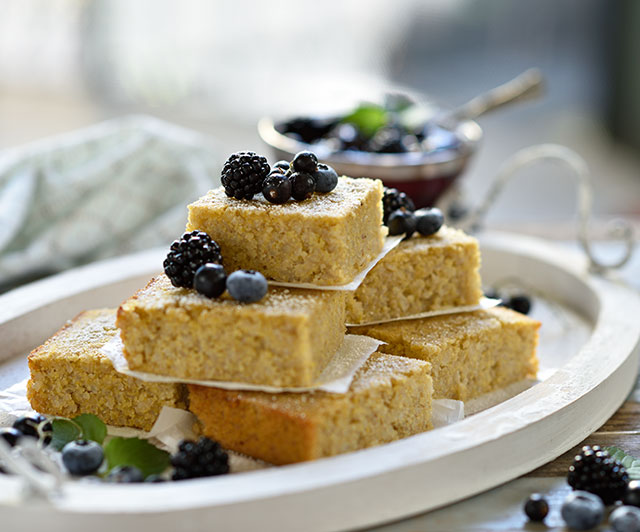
column 309, row 249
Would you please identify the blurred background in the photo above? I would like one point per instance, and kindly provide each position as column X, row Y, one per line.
column 218, row 66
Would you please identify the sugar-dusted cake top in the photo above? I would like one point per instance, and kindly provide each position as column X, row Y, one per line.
column 160, row 294
column 446, row 329
column 341, row 201
column 379, row 371
column 82, row 336
column 446, row 236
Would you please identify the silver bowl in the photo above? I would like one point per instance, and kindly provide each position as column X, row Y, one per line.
column 424, row 175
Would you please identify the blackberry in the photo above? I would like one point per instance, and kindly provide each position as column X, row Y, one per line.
column 392, row 200
column 187, row 255
column 204, row 458
column 593, row 470
column 243, row 174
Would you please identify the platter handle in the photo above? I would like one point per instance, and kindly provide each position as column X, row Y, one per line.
column 618, row 229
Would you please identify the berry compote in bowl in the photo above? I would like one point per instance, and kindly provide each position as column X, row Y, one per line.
column 395, row 142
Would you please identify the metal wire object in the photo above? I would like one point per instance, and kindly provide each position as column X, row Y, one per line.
column 618, row 229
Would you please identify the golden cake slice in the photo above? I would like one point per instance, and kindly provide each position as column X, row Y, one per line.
column 69, row 376
column 285, row 339
column 389, row 399
column 419, row 275
column 470, row 353
column 325, row 240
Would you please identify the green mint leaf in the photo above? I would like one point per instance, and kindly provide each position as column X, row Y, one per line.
column 92, row 427
column 64, row 431
column 368, row 118
column 136, row 452
column 630, row 463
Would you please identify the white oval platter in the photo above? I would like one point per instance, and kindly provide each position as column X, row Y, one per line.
column 363, row 488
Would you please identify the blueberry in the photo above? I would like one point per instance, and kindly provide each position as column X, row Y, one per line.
column 125, row 475
column 302, row 185
column 429, row 221
column 276, row 188
column 281, row 166
column 82, row 457
column 632, row 495
column 155, row 479
column 247, row 286
column 10, row 435
column 582, row 510
column 492, row 293
column 210, row 280
column 28, row 425
column 326, row 178
column 520, row 303
column 625, row 519
column 305, row 161
column 536, row 507
column 401, row 222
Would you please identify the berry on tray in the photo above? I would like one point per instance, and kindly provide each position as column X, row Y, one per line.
column 401, row 222
column 204, row 458
column 429, row 221
column 187, row 255
column 125, row 475
column 582, row 510
column 536, row 507
column 326, row 178
column 210, row 280
column 28, row 425
column 520, row 303
column 82, row 457
column 302, row 186
column 247, row 286
column 625, row 519
column 10, row 435
column 277, row 188
column 632, row 494
column 593, row 470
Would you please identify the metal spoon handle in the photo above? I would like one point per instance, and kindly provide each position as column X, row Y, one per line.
column 529, row 84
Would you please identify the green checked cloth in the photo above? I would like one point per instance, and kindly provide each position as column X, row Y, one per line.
column 110, row 189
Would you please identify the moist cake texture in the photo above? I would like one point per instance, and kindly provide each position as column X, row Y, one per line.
column 419, row 275
column 286, row 339
column 470, row 353
column 389, row 399
column 326, row 240
column 69, row 376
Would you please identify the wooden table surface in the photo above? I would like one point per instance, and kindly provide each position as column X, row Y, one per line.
column 501, row 508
